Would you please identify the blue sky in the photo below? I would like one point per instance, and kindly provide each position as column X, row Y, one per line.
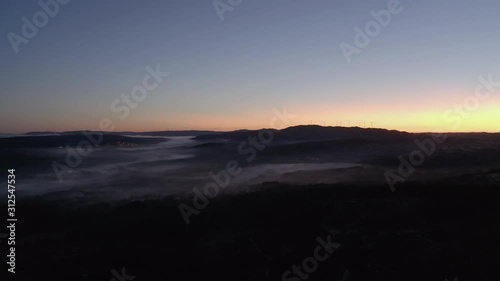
column 230, row 74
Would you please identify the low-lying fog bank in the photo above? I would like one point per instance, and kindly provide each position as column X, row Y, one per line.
column 152, row 166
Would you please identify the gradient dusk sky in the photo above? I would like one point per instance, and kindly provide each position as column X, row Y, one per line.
column 265, row 54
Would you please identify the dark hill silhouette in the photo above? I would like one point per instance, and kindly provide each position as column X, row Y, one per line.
column 313, row 132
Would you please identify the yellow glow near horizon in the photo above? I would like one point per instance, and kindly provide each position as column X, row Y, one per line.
column 485, row 119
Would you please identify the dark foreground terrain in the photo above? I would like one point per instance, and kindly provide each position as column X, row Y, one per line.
column 311, row 203
column 422, row 231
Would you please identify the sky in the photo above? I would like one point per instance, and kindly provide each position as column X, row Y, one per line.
column 229, row 70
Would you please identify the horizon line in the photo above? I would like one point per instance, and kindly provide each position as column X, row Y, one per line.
column 246, row 129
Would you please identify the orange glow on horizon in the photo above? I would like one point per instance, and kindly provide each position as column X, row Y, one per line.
column 485, row 119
